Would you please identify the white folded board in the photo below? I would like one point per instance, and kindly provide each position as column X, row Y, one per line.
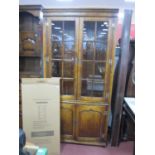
column 130, row 102
column 41, row 112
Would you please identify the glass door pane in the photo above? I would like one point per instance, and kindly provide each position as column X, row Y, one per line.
column 57, row 50
column 86, row 89
column 100, row 70
column 69, row 40
column 101, row 40
column 57, row 27
column 56, row 68
column 87, row 70
column 68, row 69
column 88, row 40
column 69, row 50
column 88, row 50
column 68, row 87
column 89, row 31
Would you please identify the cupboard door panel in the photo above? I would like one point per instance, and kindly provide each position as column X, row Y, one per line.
column 67, row 119
column 91, row 122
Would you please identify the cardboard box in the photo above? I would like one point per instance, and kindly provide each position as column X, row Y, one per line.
column 41, row 112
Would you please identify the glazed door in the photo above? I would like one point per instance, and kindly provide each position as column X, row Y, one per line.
column 62, row 50
column 94, row 58
column 80, row 53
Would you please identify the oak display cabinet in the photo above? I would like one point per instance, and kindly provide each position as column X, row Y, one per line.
column 79, row 48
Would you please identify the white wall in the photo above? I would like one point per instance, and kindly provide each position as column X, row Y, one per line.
column 120, row 4
column 81, row 3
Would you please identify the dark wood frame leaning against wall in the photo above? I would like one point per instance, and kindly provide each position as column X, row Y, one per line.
column 127, row 131
column 118, row 94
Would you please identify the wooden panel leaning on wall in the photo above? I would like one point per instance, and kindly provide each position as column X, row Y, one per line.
column 128, row 130
column 130, row 83
column 127, row 127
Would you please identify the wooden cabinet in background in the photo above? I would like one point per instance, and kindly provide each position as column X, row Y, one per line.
column 79, row 48
column 30, row 41
column 30, row 45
